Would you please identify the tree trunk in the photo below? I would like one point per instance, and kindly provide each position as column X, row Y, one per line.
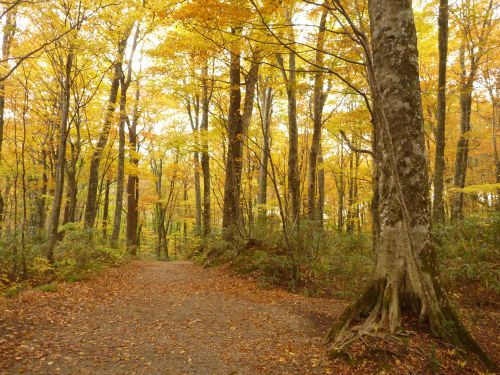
column 71, row 199
column 231, row 212
column 133, row 181
column 205, row 158
column 293, row 132
column 266, row 113
column 91, row 204
column 457, row 204
column 105, row 213
column 237, row 130
column 61, row 158
column 321, row 188
column 117, row 220
column 439, row 163
column 193, row 110
column 8, row 35
column 340, row 191
column 406, row 277
column 319, row 97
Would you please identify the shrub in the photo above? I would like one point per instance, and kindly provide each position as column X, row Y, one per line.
column 468, row 250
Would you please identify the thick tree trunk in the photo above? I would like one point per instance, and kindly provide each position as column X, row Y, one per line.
column 91, row 203
column 266, row 113
column 237, row 130
column 439, row 163
column 61, row 158
column 406, row 277
column 319, row 97
column 231, row 222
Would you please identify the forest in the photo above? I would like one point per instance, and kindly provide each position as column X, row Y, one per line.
column 249, row 186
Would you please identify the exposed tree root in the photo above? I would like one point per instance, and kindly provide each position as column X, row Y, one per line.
column 376, row 315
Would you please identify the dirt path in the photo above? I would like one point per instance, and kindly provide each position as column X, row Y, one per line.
column 164, row 318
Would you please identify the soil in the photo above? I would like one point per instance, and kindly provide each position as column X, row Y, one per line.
column 150, row 317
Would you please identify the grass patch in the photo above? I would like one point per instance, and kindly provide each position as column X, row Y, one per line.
column 48, row 288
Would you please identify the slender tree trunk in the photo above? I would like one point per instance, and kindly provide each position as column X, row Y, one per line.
column 133, row 182
column 290, row 78
column 350, row 195
column 105, row 213
column 117, row 220
column 495, row 116
column 61, row 158
column 341, row 191
column 319, row 97
column 91, row 204
column 205, row 158
column 266, row 113
column 439, row 163
column 321, row 188
column 42, row 209
column 193, row 110
column 461, row 159
column 71, row 196
column 8, row 35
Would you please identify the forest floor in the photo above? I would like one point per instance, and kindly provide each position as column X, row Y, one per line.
column 149, row 317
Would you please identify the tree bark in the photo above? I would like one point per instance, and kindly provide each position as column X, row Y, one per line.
column 439, row 163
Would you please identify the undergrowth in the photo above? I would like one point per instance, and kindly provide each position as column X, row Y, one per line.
column 469, row 250
column 79, row 255
column 327, row 262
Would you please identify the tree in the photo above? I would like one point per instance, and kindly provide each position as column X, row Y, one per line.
column 475, row 25
column 125, row 80
column 91, row 203
column 266, row 111
column 406, row 278
column 319, row 97
column 133, row 178
column 289, row 75
column 9, row 31
column 237, row 128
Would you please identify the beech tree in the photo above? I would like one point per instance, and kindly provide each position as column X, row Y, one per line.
column 406, row 277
